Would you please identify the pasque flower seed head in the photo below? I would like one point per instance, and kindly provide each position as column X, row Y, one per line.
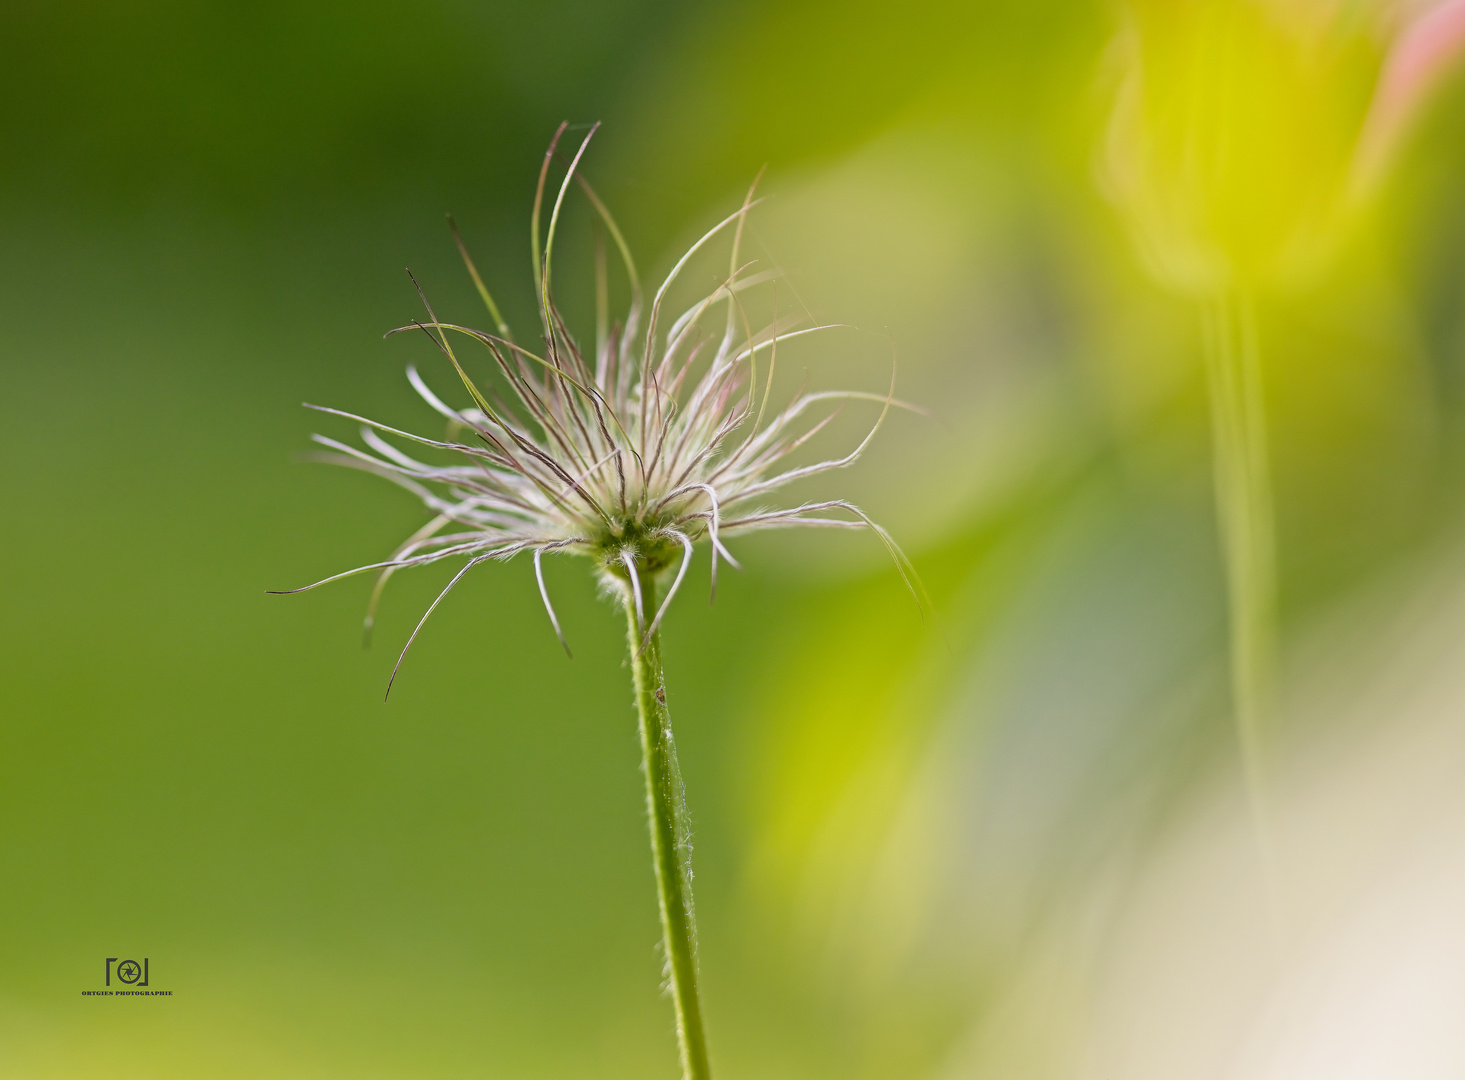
column 661, row 437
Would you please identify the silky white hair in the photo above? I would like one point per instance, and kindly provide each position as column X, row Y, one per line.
column 631, row 455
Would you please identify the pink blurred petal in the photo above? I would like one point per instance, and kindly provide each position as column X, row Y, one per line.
column 1424, row 51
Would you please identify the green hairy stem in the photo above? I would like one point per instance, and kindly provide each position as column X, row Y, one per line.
column 1244, row 511
column 671, row 849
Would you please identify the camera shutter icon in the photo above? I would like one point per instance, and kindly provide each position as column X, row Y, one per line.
column 129, row 972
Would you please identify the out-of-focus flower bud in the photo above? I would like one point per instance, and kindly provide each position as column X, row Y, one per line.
column 1244, row 132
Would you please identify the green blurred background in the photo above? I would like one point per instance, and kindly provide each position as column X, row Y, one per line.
column 205, row 210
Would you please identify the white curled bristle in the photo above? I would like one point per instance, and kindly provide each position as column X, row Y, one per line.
column 629, row 456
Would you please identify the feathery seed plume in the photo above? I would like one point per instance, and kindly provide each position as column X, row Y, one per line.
column 662, row 436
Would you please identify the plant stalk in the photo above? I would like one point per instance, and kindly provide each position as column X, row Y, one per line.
column 1244, row 513
column 671, row 847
